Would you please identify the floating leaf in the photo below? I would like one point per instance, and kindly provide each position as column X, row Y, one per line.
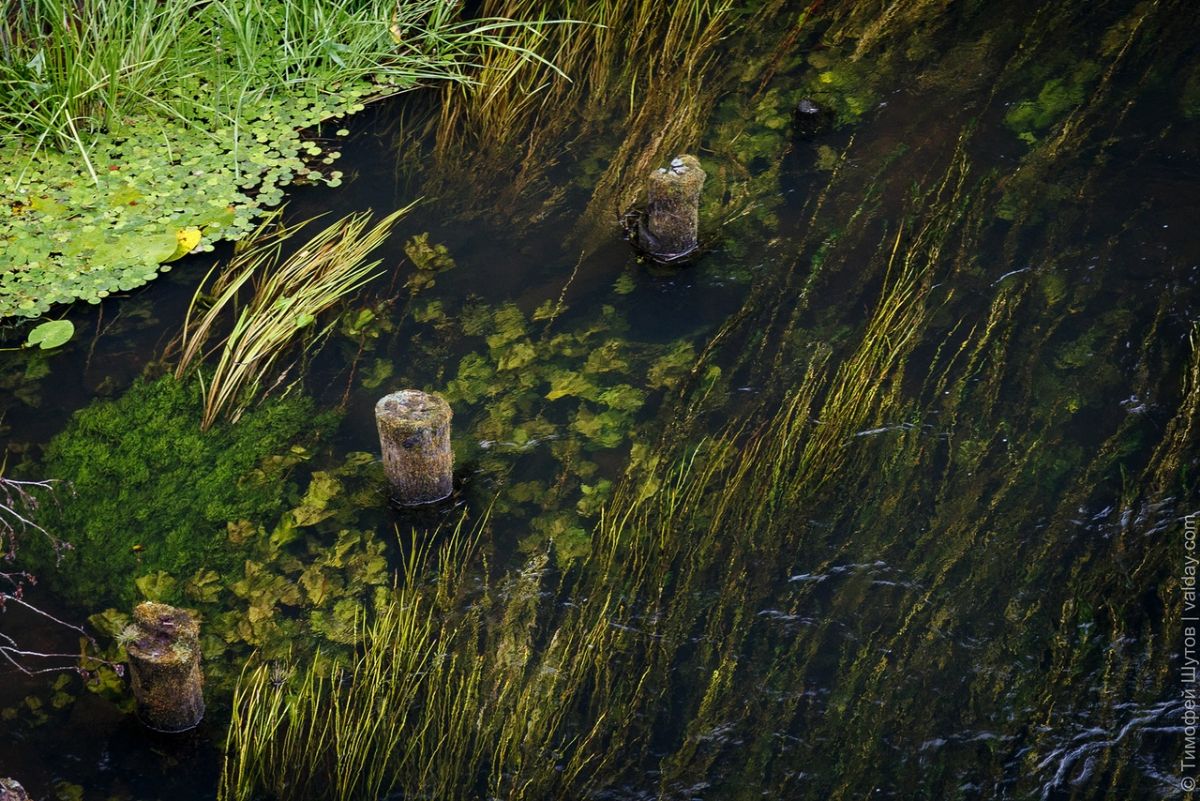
column 186, row 240
column 320, row 586
column 340, row 626
column 604, row 430
column 547, row 311
column 429, row 312
column 315, row 506
column 518, row 355
column 380, row 371
column 623, row 398
column 624, row 284
column 606, row 358
column 203, row 587
column 110, row 622
column 668, row 370
column 51, row 335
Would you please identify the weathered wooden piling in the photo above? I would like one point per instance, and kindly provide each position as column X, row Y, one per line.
column 11, row 790
column 414, row 435
column 164, row 667
column 669, row 230
column 810, row 118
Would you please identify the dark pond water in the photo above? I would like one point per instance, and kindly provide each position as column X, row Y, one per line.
column 976, row 593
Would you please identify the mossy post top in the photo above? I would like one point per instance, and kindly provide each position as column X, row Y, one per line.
column 669, row 230
column 682, row 179
column 11, row 790
column 164, row 667
column 164, row 634
column 413, row 409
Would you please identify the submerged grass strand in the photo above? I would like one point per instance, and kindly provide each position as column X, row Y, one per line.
column 286, row 299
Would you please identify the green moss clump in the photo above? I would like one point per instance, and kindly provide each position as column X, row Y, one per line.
column 144, row 490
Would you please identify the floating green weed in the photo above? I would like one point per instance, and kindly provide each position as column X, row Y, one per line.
column 162, row 189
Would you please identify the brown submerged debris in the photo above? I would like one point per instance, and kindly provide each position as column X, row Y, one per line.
column 668, row 229
column 164, row 667
column 11, row 790
column 414, row 436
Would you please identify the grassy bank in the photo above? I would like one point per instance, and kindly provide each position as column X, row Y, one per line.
column 132, row 133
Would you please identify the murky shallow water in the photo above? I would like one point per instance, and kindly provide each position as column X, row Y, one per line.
column 981, row 600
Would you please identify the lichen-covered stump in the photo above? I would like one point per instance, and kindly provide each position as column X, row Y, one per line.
column 414, row 435
column 670, row 228
column 164, row 667
column 11, row 790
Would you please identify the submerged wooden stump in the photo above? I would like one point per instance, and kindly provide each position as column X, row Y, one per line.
column 164, row 667
column 414, row 435
column 669, row 230
column 810, row 118
column 11, row 790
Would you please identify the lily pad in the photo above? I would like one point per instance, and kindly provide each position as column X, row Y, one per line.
column 51, row 335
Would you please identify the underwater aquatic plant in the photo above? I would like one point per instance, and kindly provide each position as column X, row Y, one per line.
column 149, row 492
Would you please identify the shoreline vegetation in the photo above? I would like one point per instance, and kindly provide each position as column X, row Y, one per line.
column 887, row 520
column 133, row 133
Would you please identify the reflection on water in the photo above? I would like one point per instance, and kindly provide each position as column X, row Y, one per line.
column 964, row 585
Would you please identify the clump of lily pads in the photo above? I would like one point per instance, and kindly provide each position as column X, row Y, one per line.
column 162, row 190
column 131, row 134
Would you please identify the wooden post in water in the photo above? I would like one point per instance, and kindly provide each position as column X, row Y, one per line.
column 11, row 790
column 164, row 667
column 414, row 435
column 670, row 229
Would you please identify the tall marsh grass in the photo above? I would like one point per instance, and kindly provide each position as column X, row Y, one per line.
column 69, row 68
column 639, row 67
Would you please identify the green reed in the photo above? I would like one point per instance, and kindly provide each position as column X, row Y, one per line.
column 630, row 65
column 287, row 295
